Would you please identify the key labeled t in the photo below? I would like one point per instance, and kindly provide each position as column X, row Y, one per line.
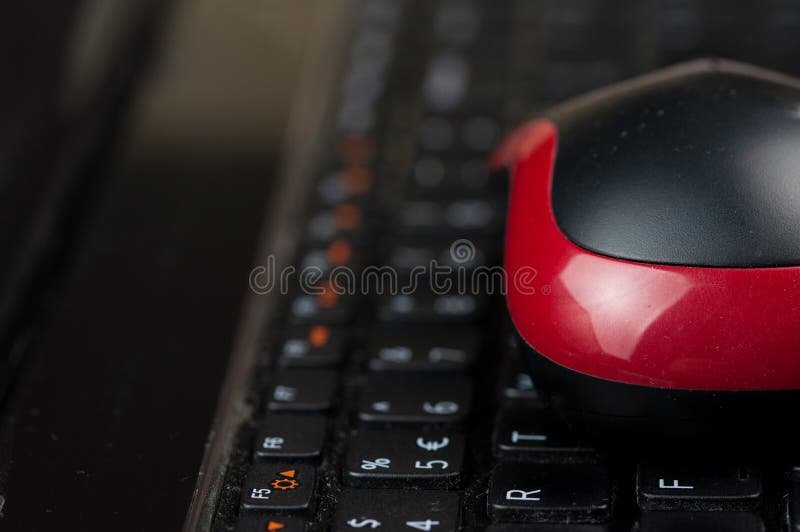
column 674, row 486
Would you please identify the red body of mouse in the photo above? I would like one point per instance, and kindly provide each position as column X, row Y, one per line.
column 653, row 252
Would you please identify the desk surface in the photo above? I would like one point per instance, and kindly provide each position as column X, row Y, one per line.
column 108, row 421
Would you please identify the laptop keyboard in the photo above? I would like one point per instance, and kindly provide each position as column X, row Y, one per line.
column 394, row 399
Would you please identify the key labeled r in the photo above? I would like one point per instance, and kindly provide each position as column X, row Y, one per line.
column 522, row 495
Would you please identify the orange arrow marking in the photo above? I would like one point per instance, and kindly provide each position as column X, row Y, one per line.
column 290, row 473
column 274, row 525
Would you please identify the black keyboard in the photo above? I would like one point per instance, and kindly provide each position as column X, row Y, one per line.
column 387, row 394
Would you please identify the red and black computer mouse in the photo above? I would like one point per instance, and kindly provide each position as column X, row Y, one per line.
column 653, row 253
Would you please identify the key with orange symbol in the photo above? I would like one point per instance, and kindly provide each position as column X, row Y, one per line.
column 278, row 487
column 324, row 303
column 338, row 253
column 328, row 295
column 343, row 220
column 356, row 150
column 266, row 523
column 286, row 480
column 317, row 345
column 351, row 184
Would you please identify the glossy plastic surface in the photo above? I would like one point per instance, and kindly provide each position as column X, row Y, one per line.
column 647, row 324
column 695, row 165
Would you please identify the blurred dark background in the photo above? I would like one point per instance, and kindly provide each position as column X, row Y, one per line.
column 138, row 142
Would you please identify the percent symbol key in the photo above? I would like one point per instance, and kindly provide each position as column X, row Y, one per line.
column 409, row 458
column 371, row 465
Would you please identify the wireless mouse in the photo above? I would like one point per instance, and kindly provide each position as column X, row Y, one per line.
column 653, row 253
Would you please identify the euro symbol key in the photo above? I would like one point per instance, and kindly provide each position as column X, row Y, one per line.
column 355, row 523
column 433, row 445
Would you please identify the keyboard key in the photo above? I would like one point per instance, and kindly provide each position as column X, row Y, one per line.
column 302, row 390
column 458, row 24
column 457, row 137
column 413, row 254
column 423, row 399
column 538, row 436
column 435, row 177
column 356, row 150
column 397, row 511
column 794, row 500
column 290, row 436
column 403, row 458
column 422, row 349
column 345, row 220
column 316, row 346
column 479, row 133
column 522, row 492
column 455, row 217
column 349, row 184
column 444, row 86
column 517, row 388
column 266, row 523
column 338, row 253
column 424, row 307
column 436, row 133
column 276, row 487
column 699, row 522
column 328, row 306
column 683, row 487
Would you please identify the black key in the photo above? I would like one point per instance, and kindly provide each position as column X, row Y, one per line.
column 404, row 458
column 423, row 399
column 433, row 176
column 438, row 134
column 275, row 487
column 338, row 253
column 424, row 307
column 794, row 501
column 538, row 436
column 326, row 307
column 301, row 390
column 265, row 523
column 522, row 492
column 473, row 216
column 397, row 511
column 479, row 133
column 352, row 184
column 413, row 254
column 290, row 436
column 699, row 522
column 683, row 487
column 345, row 220
column 517, row 387
column 316, row 346
column 422, row 349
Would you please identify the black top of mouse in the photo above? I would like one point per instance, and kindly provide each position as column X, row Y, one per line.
column 697, row 166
